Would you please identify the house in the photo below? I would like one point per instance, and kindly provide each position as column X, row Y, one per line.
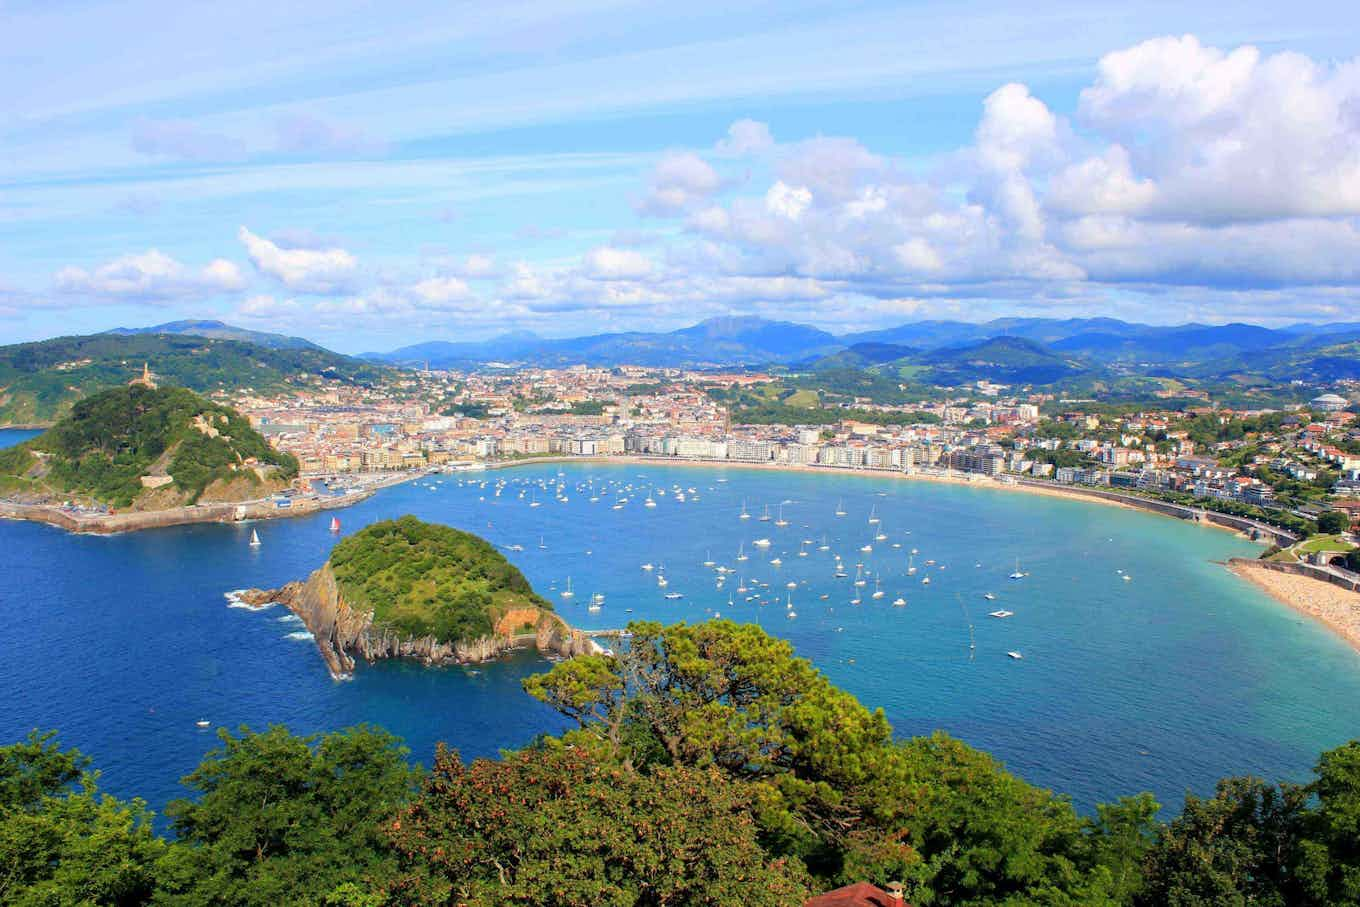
column 860, row 894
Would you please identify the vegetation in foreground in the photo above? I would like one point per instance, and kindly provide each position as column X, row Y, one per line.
column 709, row 766
column 107, row 443
column 424, row 579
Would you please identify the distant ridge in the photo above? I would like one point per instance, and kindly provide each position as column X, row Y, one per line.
column 220, row 330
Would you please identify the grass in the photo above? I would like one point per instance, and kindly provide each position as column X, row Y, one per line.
column 1323, row 543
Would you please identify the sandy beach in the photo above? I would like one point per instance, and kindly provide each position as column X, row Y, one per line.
column 1335, row 607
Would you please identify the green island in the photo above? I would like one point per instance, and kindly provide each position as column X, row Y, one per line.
column 707, row 765
column 424, row 579
column 145, row 448
column 43, row 380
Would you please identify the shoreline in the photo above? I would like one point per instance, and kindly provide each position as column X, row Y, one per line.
column 218, row 512
column 1335, row 607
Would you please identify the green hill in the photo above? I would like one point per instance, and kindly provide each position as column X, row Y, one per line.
column 41, row 381
column 423, row 579
column 185, row 447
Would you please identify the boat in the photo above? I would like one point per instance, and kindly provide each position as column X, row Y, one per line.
column 873, row 515
column 911, row 563
column 567, row 593
column 859, row 577
column 540, row 543
column 514, row 547
column 335, row 524
column 840, row 507
column 878, row 591
column 203, row 722
column 593, row 607
column 899, row 602
column 254, row 539
column 744, row 515
column 708, row 559
column 662, row 582
column 674, row 595
column 1018, row 574
column 649, row 566
column 597, row 598
column 761, row 543
column 824, row 546
column 1016, row 655
column 775, row 562
column 802, row 550
column 649, row 502
column 791, row 584
column 765, row 517
column 989, row 596
column 925, row 581
column 741, row 552
column 781, row 521
column 1003, row 614
column 866, row 547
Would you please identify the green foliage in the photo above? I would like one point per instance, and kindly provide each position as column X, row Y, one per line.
column 1333, row 522
column 588, row 408
column 42, row 380
column 109, row 441
column 560, row 826
column 422, row 579
column 61, row 842
column 286, row 819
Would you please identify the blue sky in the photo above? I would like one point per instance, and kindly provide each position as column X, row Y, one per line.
column 371, row 175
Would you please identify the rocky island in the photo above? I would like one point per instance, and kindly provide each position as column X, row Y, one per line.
column 409, row 589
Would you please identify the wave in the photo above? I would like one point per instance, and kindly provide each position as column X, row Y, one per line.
column 234, row 601
column 300, row 634
column 289, row 618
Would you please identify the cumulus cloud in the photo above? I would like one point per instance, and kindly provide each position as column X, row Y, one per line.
column 679, row 181
column 609, row 263
column 150, row 277
column 745, row 138
column 183, row 140
column 301, row 269
column 441, row 290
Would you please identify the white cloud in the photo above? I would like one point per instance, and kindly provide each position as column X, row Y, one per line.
column 788, row 201
column 609, row 263
column 745, row 138
column 441, row 290
column 302, row 270
column 150, row 277
column 680, row 180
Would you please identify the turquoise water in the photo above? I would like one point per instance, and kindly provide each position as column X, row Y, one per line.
column 1164, row 682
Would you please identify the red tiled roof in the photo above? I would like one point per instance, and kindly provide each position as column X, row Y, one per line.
column 860, row 894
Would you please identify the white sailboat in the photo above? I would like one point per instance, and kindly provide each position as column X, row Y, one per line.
column 567, row 593
column 254, row 539
column 765, row 516
column 911, row 563
column 744, row 514
column 824, row 546
column 899, row 602
column 878, row 590
column 781, row 521
column 840, row 507
column 741, row 551
column 873, row 515
column 708, row 559
column 1018, row 574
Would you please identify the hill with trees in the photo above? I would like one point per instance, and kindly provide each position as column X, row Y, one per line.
column 39, row 382
column 708, row 765
column 147, row 448
column 423, row 579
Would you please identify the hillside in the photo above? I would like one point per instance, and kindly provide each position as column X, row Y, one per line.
column 40, row 381
column 423, row 579
column 146, row 448
column 220, row 330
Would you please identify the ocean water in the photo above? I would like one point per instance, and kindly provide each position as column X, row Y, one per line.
column 1163, row 682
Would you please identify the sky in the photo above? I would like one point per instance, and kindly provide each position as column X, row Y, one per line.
column 373, row 175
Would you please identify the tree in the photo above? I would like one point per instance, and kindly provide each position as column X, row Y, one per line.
column 555, row 825
column 1353, row 559
column 1329, row 870
column 281, row 818
column 61, row 841
column 1333, row 521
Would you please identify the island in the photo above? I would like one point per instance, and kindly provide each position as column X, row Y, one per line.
column 405, row 588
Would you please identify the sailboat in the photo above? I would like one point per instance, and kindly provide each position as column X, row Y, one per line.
column 1018, row 574
column 840, row 507
column 788, row 605
column 859, row 577
column 744, row 514
column 765, row 517
column 567, row 593
column 878, row 590
column 335, row 524
column 254, row 539
column 802, row 550
column 873, row 515
column 899, row 602
column 823, row 546
column 781, row 521
column 708, row 559
column 911, row 563
column 741, row 551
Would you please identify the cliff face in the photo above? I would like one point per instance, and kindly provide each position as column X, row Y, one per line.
column 341, row 633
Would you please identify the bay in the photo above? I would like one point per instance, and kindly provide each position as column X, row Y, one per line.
column 1165, row 681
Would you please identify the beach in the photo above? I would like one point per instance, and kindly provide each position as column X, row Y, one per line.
column 1335, row 607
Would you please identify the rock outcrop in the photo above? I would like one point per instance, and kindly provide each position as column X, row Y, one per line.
column 342, row 633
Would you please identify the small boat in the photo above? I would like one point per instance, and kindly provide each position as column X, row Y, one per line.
column 203, row 722
column 593, row 607
column 781, row 521
column 761, row 543
column 1016, row 655
column 335, row 524
column 878, row 591
column 540, row 543
column 765, row 517
column 597, row 598
column 1003, row 614
column 1018, row 574
column 775, row 562
column 791, row 584
column 873, row 515
column 925, row 581
column 649, row 502
column 744, row 515
column 989, row 596
column 824, row 546
column 648, row 566
column 662, row 582
column 254, row 539
column 674, row 595
column 567, row 593
column 840, row 507
column 911, row 563
column 741, row 552
column 708, row 559
column 899, row 602
column 866, row 548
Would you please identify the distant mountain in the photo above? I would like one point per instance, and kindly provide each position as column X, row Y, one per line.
column 1005, row 360
column 861, row 355
column 219, row 330
column 40, row 381
column 716, row 342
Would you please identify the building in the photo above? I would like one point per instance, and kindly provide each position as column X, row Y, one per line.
column 986, row 460
column 1328, row 403
column 860, row 894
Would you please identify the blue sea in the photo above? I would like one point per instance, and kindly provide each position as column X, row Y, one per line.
column 1164, row 681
